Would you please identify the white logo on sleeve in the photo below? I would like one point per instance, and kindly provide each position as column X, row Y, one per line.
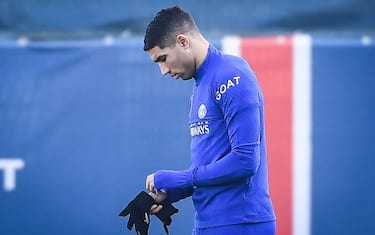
column 226, row 86
column 202, row 111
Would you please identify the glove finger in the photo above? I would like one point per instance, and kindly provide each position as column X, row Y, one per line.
column 142, row 224
column 131, row 222
column 166, row 229
column 165, row 219
column 166, row 212
column 127, row 209
column 170, row 208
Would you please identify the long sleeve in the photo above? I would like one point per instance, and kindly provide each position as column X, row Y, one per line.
column 175, row 195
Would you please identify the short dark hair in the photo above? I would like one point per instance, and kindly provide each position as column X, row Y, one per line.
column 166, row 25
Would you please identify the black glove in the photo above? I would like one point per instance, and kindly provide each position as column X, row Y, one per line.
column 165, row 214
column 139, row 210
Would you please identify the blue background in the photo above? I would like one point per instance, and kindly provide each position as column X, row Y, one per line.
column 343, row 136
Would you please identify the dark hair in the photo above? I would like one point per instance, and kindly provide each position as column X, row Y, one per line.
column 166, row 25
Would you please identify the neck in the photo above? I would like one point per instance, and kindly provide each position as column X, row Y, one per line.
column 200, row 50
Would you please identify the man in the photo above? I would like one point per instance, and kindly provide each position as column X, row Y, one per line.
column 228, row 178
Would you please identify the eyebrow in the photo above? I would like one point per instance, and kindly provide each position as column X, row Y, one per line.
column 160, row 58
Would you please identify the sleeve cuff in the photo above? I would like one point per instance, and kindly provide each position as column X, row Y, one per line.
column 167, row 179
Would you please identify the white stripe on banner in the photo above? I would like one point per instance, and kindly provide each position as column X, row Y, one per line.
column 302, row 134
column 232, row 45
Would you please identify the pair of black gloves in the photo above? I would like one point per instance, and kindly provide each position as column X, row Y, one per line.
column 139, row 211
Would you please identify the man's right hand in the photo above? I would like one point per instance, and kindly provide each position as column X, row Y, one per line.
column 158, row 197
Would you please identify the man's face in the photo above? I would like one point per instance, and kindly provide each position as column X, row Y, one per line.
column 176, row 61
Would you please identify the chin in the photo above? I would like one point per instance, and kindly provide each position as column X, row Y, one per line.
column 186, row 77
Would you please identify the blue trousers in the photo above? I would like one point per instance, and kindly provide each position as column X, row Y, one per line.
column 265, row 228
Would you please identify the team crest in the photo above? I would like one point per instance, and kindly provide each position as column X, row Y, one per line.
column 202, row 111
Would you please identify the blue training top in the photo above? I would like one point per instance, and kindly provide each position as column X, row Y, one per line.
column 228, row 178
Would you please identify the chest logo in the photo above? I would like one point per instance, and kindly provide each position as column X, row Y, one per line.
column 202, row 111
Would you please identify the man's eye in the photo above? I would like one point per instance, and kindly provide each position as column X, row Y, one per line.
column 162, row 58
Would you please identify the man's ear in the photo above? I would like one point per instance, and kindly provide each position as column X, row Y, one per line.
column 182, row 40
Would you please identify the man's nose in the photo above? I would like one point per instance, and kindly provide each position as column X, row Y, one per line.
column 163, row 69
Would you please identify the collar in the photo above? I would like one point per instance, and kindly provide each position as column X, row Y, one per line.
column 205, row 65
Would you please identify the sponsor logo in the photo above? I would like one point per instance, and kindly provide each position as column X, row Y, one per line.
column 199, row 128
column 226, row 86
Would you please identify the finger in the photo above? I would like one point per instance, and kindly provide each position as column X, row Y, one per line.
column 150, row 186
column 155, row 209
column 147, row 182
column 152, row 194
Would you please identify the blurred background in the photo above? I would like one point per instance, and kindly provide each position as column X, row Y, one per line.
column 85, row 115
